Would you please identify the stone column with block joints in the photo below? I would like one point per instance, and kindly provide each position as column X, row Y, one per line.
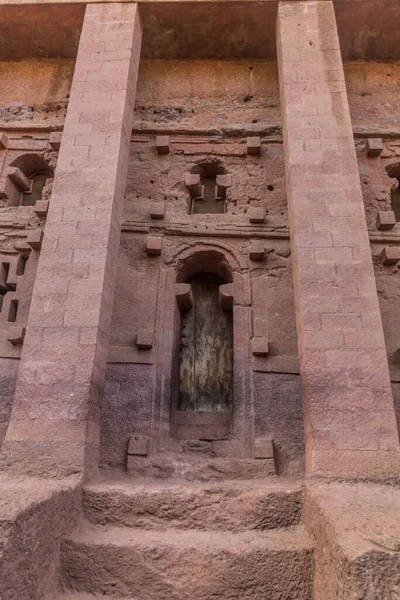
column 55, row 423
column 350, row 425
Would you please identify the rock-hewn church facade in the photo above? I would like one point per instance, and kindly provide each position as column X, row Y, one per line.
column 199, row 300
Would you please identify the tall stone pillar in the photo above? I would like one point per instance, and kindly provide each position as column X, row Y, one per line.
column 54, row 428
column 350, row 424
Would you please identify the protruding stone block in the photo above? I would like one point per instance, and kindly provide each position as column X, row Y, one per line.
column 226, row 296
column 22, row 246
column 157, row 210
column 223, row 183
column 162, row 144
column 256, row 214
column 19, row 179
column 138, row 445
column 35, row 238
column 55, row 139
column 257, row 250
column 390, row 255
column 41, row 208
column 192, row 182
column 374, row 147
column 16, row 335
column 253, row 145
column 3, row 141
column 263, row 448
column 385, row 220
column 184, row 295
column 153, row 245
column 145, row 338
column 260, row 346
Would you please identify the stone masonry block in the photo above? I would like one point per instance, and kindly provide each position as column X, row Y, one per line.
column 162, row 144
column 19, row 179
column 257, row 250
column 184, row 295
column 223, row 183
column 226, row 296
column 153, row 245
column 138, row 445
column 41, row 208
column 256, row 214
column 145, row 338
column 3, row 141
column 374, row 147
column 263, row 448
column 157, row 210
column 35, row 238
column 390, row 255
column 253, row 145
column 260, row 346
column 16, row 335
column 22, row 246
column 385, row 220
column 88, row 193
column 55, row 139
column 192, row 182
column 260, row 327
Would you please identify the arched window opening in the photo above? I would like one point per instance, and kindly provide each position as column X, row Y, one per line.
column 395, row 200
column 209, row 201
column 208, row 183
column 206, row 349
column 393, row 171
column 35, row 193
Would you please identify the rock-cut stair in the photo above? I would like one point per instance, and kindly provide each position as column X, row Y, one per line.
column 198, row 541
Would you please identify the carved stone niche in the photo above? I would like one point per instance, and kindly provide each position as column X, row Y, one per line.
column 222, row 183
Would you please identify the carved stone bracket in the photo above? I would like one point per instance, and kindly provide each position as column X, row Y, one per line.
column 223, row 183
column 192, row 182
column 184, row 295
column 390, row 255
column 226, row 293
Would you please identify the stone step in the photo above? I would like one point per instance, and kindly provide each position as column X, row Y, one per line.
column 231, row 506
column 192, row 467
column 83, row 596
column 186, row 565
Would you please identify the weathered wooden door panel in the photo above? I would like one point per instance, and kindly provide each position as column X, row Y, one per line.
column 206, row 356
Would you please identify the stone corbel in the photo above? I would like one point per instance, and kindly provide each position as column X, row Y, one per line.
column 184, row 295
column 3, row 141
column 374, row 147
column 223, row 183
column 20, row 180
column 192, row 182
column 226, row 296
column 385, row 220
column 390, row 255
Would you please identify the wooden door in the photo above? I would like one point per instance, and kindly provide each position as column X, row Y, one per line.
column 206, row 353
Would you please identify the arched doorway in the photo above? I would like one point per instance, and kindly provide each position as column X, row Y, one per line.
column 205, row 390
column 206, row 349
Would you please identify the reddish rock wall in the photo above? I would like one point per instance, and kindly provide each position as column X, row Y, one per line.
column 208, row 108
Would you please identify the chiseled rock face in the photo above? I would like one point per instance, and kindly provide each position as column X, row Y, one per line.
column 230, row 506
column 169, row 565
